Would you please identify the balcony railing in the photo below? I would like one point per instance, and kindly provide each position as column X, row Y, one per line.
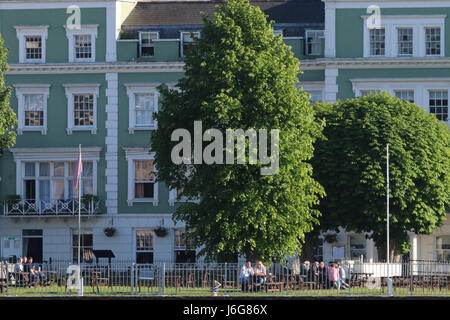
column 69, row 207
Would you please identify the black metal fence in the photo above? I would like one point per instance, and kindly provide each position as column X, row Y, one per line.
column 226, row 279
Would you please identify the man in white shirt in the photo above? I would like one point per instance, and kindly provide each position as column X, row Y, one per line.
column 247, row 274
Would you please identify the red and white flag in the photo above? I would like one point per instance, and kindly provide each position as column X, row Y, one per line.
column 78, row 170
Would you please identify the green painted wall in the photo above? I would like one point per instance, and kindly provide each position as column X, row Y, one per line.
column 138, row 139
column 312, row 75
column 57, row 123
column 57, row 42
column 297, row 46
column 349, row 28
column 127, row 50
column 344, row 76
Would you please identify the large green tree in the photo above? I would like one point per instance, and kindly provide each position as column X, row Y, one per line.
column 8, row 118
column 351, row 165
column 239, row 76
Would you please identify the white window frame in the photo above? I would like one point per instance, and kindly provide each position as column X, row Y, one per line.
column 26, row 31
column 441, row 27
column 391, row 23
column 22, row 155
column 415, row 44
column 25, row 89
column 152, row 231
column 132, row 154
column 79, row 88
column 427, row 90
column 181, row 39
column 306, row 42
column 86, row 29
column 420, row 86
column 140, row 42
column 132, row 90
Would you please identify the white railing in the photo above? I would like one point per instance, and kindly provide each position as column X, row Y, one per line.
column 67, row 207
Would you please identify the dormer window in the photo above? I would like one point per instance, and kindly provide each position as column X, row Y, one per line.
column 187, row 41
column 313, row 42
column 146, row 39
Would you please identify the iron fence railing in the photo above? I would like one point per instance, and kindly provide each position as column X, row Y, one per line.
column 414, row 278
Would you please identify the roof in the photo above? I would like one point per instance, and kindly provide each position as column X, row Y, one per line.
column 172, row 13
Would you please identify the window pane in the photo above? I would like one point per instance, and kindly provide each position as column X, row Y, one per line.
column 58, row 169
column 83, row 110
column 144, row 190
column 33, row 47
column 433, row 41
column 377, row 42
column 30, row 189
column 144, row 240
column 88, row 186
column 314, row 44
column 407, row 95
column 87, row 168
column 44, row 169
column 405, row 41
column 438, row 104
column 30, row 168
column 34, row 110
column 58, row 189
column 44, row 190
column 83, row 47
column 144, row 170
column 144, row 109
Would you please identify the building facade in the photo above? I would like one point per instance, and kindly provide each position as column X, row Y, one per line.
column 86, row 72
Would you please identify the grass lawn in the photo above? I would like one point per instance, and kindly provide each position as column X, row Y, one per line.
column 56, row 290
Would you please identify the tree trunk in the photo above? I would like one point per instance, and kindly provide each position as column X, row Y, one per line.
column 309, row 245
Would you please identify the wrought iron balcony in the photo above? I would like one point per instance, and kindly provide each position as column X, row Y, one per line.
column 69, row 207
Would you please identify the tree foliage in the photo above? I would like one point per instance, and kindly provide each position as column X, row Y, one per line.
column 351, row 165
column 240, row 76
column 8, row 118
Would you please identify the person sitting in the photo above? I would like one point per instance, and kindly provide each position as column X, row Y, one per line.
column 20, row 276
column 260, row 274
column 247, row 274
column 37, row 269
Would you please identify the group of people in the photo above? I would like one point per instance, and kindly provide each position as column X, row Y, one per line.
column 26, row 270
column 250, row 276
column 333, row 276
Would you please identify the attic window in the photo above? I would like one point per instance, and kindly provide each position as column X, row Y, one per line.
column 187, row 41
column 146, row 39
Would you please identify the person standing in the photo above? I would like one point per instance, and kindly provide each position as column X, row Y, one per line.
column 247, row 274
column 333, row 275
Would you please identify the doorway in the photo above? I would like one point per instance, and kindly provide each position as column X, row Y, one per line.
column 32, row 244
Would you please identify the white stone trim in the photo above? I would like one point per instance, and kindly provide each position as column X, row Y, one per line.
column 80, row 88
column 86, row 29
column 112, row 30
column 22, row 32
column 132, row 90
column 21, row 90
column 112, row 142
column 330, row 32
column 417, row 22
column 331, row 88
column 132, row 154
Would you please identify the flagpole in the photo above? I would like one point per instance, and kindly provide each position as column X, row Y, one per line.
column 80, row 290
column 387, row 222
